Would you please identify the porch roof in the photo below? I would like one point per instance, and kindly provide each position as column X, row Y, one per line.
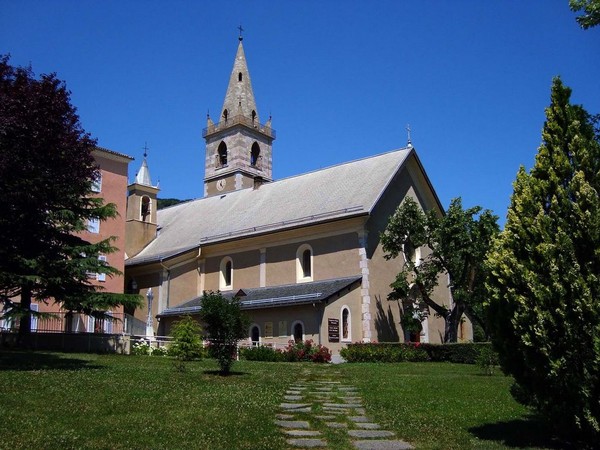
column 274, row 296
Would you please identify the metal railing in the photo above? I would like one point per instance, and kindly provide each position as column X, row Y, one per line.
column 62, row 322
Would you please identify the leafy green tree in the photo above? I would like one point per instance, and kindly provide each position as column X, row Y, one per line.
column 545, row 273
column 226, row 324
column 591, row 12
column 46, row 174
column 454, row 247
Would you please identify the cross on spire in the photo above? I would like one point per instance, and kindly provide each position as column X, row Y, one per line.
column 145, row 148
column 241, row 38
column 409, row 144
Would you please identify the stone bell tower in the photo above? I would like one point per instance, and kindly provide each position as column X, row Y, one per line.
column 238, row 147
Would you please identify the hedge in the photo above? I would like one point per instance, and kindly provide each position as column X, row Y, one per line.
column 464, row 353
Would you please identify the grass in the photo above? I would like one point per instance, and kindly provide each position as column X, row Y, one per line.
column 68, row 401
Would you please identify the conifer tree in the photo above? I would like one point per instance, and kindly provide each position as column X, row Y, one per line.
column 545, row 273
column 46, row 174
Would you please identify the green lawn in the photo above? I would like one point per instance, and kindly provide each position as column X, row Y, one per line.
column 63, row 401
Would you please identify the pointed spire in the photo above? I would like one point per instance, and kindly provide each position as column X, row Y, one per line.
column 239, row 99
column 143, row 175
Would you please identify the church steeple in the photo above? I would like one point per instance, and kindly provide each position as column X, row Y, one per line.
column 141, row 223
column 239, row 99
column 238, row 147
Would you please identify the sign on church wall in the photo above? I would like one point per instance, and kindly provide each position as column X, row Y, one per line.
column 268, row 329
column 333, row 330
column 283, row 328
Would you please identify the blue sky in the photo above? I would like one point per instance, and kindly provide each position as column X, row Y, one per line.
column 341, row 79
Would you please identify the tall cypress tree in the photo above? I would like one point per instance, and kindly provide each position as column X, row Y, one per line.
column 545, row 273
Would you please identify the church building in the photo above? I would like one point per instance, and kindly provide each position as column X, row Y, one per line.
column 302, row 253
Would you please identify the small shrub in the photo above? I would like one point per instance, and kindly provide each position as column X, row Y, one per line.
column 159, row 351
column 261, row 353
column 306, row 351
column 187, row 344
column 487, row 359
column 141, row 347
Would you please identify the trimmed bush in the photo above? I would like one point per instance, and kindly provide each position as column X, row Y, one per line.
column 261, row 353
column 373, row 352
column 467, row 353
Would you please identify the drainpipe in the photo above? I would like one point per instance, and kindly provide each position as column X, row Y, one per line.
column 168, row 279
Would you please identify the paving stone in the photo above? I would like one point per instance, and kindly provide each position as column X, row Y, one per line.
column 292, row 424
column 360, row 411
column 299, row 433
column 342, row 405
column 351, row 399
column 334, row 411
column 336, row 424
column 307, row 443
column 359, row 418
column 284, row 416
column 325, row 417
column 292, row 397
column 365, row 434
column 293, row 392
column 308, row 409
column 382, row 445
column 367, row 425
column 293, row 405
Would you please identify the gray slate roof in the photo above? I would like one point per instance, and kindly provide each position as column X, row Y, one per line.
column 340, row 191
column 275, row 296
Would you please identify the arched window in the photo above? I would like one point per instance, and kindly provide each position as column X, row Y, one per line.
column 304, row 263
column 145, row 208
column 226, row 274
column 298, row 331
column 254, row 154
column 222, row 153
column 225, row 114
column 253, row 116
column 240, row 76
column 411, row 253
column 255, row 334
column 346, row 335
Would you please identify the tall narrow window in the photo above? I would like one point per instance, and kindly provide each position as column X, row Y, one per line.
column 97, row 182
column 240, row 76
column 255, row 335
column 253, row 116
column 226, row 277
column 222, row 154
column 225, row 114
column 145, row 208
column 304, row 263
column 101, row 276
column 254, row 154
column 298, row 330
column 346, row 324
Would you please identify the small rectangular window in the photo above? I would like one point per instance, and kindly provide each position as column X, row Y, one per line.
column 97, row 183
column 93, row 225
column 101, row 276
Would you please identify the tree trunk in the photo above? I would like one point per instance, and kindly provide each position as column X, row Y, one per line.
column 452, row 322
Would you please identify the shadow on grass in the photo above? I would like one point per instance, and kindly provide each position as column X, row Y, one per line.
column 218, row 372
column 520, row 433
column 21, row 360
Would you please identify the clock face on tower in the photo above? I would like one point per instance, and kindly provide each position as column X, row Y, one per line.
column 221, row 184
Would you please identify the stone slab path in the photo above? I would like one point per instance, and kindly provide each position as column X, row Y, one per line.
column 320, row 412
